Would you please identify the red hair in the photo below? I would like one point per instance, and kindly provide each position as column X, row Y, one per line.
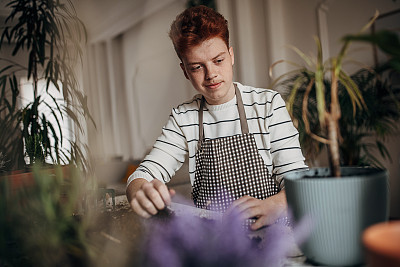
column 195, row 25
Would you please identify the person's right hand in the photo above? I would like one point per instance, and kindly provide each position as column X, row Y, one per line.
column 149, row 197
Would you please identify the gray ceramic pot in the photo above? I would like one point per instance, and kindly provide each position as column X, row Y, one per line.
column 340, row 209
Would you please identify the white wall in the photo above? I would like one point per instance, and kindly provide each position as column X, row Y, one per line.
column 131, row 74
column 154, row 81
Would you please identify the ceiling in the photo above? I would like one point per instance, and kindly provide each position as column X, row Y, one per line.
column 105, row 19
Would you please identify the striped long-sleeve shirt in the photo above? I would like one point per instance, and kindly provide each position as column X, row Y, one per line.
column 267, row 118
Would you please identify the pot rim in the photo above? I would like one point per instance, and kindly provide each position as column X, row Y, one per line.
column 383, row 238
column 359, row 172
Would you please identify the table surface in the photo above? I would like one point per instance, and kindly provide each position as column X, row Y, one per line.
column 296, row 257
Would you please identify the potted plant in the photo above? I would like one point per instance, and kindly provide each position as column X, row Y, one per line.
column 49, row 35
column 342, row 201
column 362, row 132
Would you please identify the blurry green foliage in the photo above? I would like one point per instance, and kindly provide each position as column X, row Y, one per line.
column 38, row 221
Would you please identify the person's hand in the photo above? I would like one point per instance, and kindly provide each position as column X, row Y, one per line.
column 266, row 211
column 149, row 197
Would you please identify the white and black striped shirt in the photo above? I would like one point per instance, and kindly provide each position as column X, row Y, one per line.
column 267, row 118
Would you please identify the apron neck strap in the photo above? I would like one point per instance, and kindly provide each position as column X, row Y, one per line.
column 201, row 128
column 242, row 113
column 242, row 116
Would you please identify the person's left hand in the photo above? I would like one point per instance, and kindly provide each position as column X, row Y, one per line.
column 265, row 211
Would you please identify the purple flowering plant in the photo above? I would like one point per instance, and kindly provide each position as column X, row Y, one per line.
column 189, row 240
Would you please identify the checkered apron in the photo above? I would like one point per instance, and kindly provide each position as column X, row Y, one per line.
column 230, row 167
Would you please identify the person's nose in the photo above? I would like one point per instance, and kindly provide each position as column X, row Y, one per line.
column 211, row 72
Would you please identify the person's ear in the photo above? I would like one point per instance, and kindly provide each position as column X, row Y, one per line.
column 232, row 55
column 184, row 70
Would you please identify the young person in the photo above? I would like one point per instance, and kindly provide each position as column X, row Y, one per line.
column 239, row 140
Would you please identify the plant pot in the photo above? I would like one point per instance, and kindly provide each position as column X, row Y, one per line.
column 26, row 178
column 382, row 242
column 339, row 208
column 19, row 179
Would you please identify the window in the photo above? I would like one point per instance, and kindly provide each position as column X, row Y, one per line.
column 48, row 107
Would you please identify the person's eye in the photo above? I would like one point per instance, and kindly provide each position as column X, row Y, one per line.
column 195, row 67
column 219, row 60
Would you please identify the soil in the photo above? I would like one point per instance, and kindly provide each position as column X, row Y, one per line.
column 116, row 236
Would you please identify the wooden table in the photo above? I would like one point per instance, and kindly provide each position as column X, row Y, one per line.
column 296, row 257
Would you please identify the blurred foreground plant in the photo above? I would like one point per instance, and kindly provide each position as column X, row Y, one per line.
column 188, row 240
column 38, row 222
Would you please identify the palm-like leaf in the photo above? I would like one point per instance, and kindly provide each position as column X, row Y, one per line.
column 51, row 35
column 358, row 125
column 362, row 104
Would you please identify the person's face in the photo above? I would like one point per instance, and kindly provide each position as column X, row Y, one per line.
column 208, row 66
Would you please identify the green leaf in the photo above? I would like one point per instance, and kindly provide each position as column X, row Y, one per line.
column 285, row 75
column 57, row 120
column 306, row 59
column 74, row 118
column 6, row 68
column 387, row 41
column 353, row 91
column 292, row 96
column 383, row 150
column 5, row 35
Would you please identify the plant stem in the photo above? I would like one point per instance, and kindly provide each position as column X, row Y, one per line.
column 333, row 147
column 332, row 124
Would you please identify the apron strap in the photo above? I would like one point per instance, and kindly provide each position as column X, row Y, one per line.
column 201, row 128
column 242, row 113
column 242, row 116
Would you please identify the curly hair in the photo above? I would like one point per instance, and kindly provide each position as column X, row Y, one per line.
column 195, row 25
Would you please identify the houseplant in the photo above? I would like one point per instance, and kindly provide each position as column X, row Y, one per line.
column 49, row 35
column 362, row 132
column 341, row 208
column 11, row 144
